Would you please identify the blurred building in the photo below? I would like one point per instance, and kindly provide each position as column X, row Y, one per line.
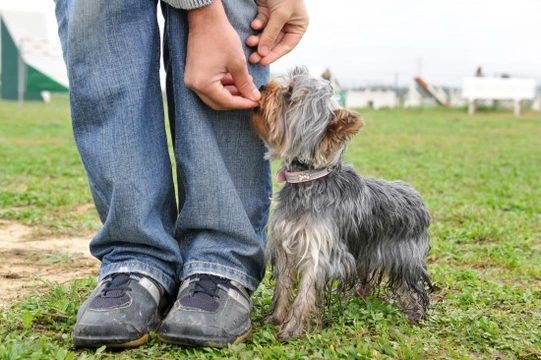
column 31, row 65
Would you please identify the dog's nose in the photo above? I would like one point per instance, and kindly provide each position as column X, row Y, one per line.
column 263, row 88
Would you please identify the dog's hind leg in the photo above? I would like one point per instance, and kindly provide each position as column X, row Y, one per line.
column 408, row 279
column 412, row 293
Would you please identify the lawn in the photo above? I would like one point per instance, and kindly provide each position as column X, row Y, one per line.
column 480, row 177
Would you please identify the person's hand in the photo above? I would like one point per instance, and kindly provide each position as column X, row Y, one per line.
column 216, row 68
column 283, row 23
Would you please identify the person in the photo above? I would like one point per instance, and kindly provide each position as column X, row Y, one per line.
column 184, row 269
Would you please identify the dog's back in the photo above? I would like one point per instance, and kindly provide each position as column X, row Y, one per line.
column 360, row 231
column 365, row 210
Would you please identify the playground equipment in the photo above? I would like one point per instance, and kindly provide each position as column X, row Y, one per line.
column 431, row 91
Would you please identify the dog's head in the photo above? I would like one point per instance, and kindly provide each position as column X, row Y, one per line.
column 300, row 120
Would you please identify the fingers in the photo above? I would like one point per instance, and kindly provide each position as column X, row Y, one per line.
column 243, row 81
column 252, row 42
column 225, row 94
column 284, row 46
column 270, row 34
column 282, row 24
column 260, row 21
column 220, row 98
column 227, row 80
column 232, row 90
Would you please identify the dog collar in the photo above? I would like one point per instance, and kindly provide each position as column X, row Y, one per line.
column 295, row 177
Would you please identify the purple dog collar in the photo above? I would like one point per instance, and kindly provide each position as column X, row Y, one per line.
column 295, row 177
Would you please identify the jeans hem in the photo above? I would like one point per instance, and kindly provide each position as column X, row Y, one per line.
column 168, row 283
column 199, row 267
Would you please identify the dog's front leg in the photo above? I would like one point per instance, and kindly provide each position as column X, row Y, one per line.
column 310, row 289
column 284, row 272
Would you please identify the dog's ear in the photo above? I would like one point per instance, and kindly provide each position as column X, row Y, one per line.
column 345, row 124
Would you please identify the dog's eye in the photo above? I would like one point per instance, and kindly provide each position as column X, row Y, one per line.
column 288, row 92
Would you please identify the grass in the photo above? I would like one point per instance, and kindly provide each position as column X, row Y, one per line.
column 480, row 177
column 42, row 181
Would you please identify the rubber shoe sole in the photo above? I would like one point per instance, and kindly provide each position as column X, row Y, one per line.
column 200, row 342
column 94, row 342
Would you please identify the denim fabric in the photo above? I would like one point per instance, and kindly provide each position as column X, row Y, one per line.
column 112, row 51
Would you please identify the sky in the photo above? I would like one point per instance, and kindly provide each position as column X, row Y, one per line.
column 388, row 42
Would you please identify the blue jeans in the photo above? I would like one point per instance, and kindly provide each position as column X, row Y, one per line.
column 218, row 225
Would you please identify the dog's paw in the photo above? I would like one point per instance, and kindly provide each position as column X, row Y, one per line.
column 283, row 336
column 290, row 330
column 363, row 291
column 273, row 319
column 415, row 315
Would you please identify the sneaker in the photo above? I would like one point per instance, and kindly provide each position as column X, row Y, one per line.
column 209, row 311
column 120, row 312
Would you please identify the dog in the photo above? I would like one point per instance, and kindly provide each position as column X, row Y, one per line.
column 331, row 228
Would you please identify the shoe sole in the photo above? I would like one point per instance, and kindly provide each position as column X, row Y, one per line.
column 200, row 342
column 95, row 343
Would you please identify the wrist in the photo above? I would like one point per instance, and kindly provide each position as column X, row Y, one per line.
column 207, row 15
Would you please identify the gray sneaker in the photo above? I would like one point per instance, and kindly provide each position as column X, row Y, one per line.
column 120, row 312
column 209, row 311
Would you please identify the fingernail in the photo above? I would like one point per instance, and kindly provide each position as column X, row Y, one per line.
column 264, row 50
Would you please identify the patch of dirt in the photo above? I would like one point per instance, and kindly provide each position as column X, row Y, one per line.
column 27, row 264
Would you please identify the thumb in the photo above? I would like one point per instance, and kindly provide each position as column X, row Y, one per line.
column 269, row 35
column 244, row 82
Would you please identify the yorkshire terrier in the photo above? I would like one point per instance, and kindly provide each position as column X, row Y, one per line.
column 331, row 228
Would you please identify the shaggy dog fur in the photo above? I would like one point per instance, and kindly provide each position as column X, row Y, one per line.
column 332, row 227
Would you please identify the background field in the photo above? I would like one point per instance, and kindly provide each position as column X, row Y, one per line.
column 480, row 177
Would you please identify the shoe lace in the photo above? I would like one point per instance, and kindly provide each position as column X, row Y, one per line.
column 208, row 286
column 117, row 285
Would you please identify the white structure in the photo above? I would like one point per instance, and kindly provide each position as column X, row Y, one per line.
column 455, row 98
column 413, row 97
column 536, row 105
column 32, row 64
column 486, row 88
column 375, row 99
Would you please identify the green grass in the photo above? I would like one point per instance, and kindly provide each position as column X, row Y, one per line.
column 480, row 177
column 42, row 180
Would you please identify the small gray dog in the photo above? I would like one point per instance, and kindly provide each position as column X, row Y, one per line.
column 331, row 227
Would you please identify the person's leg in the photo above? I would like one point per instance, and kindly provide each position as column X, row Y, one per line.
column 224, row 180
column 224, row 195
column 112, row 52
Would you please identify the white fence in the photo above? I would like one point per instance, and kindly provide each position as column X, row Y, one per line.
column 481, row 88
